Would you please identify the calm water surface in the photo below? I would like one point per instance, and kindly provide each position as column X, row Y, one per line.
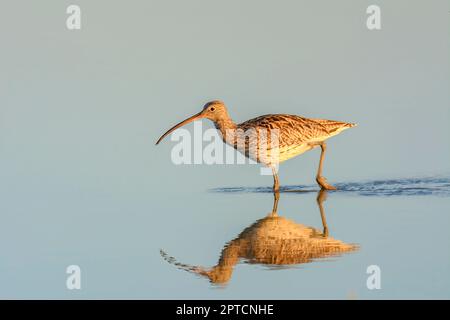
column 227, row 243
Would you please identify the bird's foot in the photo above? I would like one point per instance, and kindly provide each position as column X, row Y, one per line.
column 273, row 214
column 324, row 183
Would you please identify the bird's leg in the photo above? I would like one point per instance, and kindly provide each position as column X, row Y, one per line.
column 276, row 183
column 276, row 191
column 276, row 197
column 319, row 178
column 321, row 197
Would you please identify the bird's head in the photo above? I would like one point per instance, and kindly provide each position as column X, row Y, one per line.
column 214, row 110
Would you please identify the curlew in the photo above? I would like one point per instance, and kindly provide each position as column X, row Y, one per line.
column 271, row 139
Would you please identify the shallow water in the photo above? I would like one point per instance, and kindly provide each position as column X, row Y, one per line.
column 437, row 186
column 126, row 252
column 388, row 223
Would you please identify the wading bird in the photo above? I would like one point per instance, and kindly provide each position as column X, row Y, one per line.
column 294, row 135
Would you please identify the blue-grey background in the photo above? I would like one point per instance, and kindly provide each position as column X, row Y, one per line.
column 81, row 181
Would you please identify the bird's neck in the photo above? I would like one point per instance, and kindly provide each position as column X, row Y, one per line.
column 224, row 125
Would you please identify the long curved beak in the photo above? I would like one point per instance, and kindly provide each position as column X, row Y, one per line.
column 182, row 123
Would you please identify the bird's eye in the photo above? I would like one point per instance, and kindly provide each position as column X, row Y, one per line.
column 212, row 109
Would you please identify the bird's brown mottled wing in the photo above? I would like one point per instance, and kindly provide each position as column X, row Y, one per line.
column 296, row 130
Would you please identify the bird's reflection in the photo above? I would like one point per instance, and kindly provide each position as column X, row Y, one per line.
column 272, row 241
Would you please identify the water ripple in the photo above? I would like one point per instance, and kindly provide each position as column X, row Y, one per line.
column 431, row 186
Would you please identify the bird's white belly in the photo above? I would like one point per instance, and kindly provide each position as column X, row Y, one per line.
column 287, row 153
column 274, row 155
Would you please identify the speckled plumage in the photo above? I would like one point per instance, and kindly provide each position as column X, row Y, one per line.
column 295, row 135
